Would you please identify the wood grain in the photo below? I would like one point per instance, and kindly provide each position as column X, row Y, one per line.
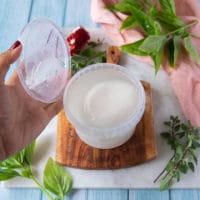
column 73, row 152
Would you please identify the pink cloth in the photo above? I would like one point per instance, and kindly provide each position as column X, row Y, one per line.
column 186, row 79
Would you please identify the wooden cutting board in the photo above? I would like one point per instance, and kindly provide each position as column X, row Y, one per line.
column 141, row 147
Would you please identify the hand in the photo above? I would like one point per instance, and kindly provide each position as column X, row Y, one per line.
column 22, row 118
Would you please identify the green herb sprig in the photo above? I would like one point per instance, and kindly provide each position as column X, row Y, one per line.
column 163, row 30
column 87, row 56
column 183, row 139
column 56, row 180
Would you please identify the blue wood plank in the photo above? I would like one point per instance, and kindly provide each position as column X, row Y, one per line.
column 52, row 9
column 24, row 194
column 4, row 193
column 78, row 14
column 81, row 194
column 153, row 194
column 73, row 195
column 12, row 20
column 108, row 194
column 177, row 194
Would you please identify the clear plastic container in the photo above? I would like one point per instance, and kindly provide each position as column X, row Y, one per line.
column 99, row 133
column 44, row 64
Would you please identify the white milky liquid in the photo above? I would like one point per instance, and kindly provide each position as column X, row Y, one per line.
column 103, row 98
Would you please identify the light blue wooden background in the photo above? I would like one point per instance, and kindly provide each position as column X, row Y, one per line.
column 67, row 13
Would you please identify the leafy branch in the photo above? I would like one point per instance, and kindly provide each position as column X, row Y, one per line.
column 164, row 32
column 56, row 180
column 183, row 139
column 87, row 56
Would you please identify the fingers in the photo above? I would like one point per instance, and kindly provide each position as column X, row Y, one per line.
column 8, row 58
column 54, row 108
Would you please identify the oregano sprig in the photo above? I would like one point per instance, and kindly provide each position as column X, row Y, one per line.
column 56, row 180
column 164, row 32
column 183, row 139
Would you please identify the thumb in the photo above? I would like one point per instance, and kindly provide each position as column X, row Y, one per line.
column 8, row 58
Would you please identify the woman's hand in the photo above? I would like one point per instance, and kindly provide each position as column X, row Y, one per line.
column 22, row 118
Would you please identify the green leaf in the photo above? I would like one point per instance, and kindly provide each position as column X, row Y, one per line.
column 195, row 144
column 29, row 150
column 172, row 50
column 6, row 174
column 191, row 166
column 169, row 166
column 123, row 6
column 157, row 59
column 191, row 49
column 165, row 183
column 56, row 179
column 129, row 22
column 170, row 22
column 153, row 44
column 153, row 9
column 183, row 168
column 165, row 135
column 126, row 5
column 158, row 28
column 193, row 154
column 145, row 21
column 177, row 176
column 167, row 123
column 133, row 48
column 179, row 151
column 168, row 6
column 11, row 163
column 27, row 172
column 181, row 134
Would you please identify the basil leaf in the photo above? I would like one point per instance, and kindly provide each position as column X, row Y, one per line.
column 56, row 179
column 6, row 174
column 27, row 172
column 153, row 10
column 126, row 6
column 157, row 59
column 28, row 152
column 135, row 3
column 12, row 162
column 129, row 22
column 133, row 48
column 153, row 43
column 169, row 22
column 20, row 159
column 168, row 6
column 191, row 49
column 172, row 50
column 145, row 21
column 122, row 6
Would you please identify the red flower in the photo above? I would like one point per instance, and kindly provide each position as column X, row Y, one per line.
column 77, row 40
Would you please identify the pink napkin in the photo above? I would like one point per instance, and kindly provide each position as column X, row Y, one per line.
column 186, row 79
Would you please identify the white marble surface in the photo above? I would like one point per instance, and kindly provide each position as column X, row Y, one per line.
column 141, row 176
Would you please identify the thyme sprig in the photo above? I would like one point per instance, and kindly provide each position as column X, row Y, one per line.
column 183, row 139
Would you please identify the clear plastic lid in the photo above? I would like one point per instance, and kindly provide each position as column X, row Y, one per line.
column 44, row 64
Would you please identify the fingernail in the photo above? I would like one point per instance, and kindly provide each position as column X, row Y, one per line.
column 16, row 44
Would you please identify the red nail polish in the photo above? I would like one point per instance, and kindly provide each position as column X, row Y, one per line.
column 16, row 44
